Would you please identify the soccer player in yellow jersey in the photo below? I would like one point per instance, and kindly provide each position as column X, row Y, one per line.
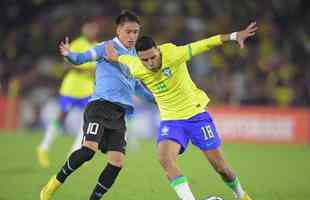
column 182, row 105
column 76, row 88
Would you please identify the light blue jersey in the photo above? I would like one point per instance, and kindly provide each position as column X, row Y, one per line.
column 114, row 82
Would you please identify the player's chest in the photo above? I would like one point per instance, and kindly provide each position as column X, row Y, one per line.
column 162, row 80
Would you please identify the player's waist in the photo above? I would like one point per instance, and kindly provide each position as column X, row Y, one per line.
column 78, row 90
column 125, row 101
column 76, row 94
column 203, row 115
column 81, row 75
column 181, row 114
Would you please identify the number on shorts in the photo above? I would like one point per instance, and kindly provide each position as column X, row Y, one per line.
column 92, row 128
column 207, row 132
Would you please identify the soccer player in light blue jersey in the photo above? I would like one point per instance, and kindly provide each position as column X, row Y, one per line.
column 104, row 117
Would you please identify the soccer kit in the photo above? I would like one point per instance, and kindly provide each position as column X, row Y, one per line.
column 104, row 116
column 77, row 86
column 181, row 103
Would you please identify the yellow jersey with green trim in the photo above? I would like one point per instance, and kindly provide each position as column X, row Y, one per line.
column 79, row 83
column 176, row 94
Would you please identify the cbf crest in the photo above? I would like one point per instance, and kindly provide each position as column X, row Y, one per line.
column 167, row 72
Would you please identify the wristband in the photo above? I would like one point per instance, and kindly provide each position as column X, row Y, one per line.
column 233, row 36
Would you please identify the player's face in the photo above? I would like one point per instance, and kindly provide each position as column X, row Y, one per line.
column 151, row 58
column 91, row 31
column 128, row 33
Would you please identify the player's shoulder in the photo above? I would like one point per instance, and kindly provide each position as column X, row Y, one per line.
column 167, row 47
column 168, row 51
column 80, row 44
column 78, row 41
column 105, row 42
column 102, row 43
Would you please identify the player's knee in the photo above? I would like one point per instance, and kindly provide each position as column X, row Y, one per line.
column 117, row 162
column 87, row 153
column 91, row 145
column 116, row 158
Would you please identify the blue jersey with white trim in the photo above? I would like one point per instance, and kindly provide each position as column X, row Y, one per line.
column 114, row 82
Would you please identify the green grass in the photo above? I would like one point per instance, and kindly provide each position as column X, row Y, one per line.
column 267, row 172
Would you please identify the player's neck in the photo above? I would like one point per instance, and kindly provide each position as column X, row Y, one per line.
column 121, row 43
column 160, row 60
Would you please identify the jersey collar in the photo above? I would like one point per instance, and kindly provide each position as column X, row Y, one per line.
column 119, row 43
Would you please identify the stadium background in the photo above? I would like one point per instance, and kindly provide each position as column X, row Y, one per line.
column 258, row 95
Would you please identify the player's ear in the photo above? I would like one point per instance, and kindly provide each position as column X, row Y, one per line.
column 157, row 49
column 118, row 29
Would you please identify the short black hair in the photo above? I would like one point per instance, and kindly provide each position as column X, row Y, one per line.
column 127, row 16
column 145, row 43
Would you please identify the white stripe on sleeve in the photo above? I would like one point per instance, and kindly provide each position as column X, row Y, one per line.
column 93, row 54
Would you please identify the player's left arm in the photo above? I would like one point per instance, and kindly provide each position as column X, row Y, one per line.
column 196, row 48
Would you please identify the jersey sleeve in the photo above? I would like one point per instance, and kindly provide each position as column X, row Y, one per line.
column 79, row 47
column 184, row 53
column 93, row 54
column 132, row 62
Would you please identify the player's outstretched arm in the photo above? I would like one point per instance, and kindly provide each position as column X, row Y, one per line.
column 112, row 55
column 242, row 35
column 204, row 45
column 132, row 62
column 78, row 58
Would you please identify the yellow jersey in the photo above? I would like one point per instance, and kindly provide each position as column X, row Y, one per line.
column 176, row 94
column 79, row 83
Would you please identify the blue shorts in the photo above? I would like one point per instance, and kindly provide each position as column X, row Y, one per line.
column 66, row 103
column 199, row 129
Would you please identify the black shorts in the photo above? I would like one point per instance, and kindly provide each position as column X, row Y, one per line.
column 104, row 123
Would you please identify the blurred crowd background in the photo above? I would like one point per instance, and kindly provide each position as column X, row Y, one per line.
column 273, row 69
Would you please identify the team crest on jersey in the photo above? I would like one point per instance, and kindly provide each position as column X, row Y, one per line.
column 167, row 72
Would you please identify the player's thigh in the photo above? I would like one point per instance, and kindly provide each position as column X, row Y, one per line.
column 203, row 134
column 168, row 151
column 66, row 103
column 93, row 126
column 114, row 141
column 171, row 135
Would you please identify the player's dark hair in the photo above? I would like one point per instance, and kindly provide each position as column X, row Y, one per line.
column 127, row 16
column 145, row 43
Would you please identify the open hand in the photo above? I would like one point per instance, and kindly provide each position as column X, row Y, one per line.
column 111, row 53
column 64, row 47
column 244, row 34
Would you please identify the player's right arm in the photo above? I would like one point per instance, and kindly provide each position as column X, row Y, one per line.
column 80, row 58
column 132, row 62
